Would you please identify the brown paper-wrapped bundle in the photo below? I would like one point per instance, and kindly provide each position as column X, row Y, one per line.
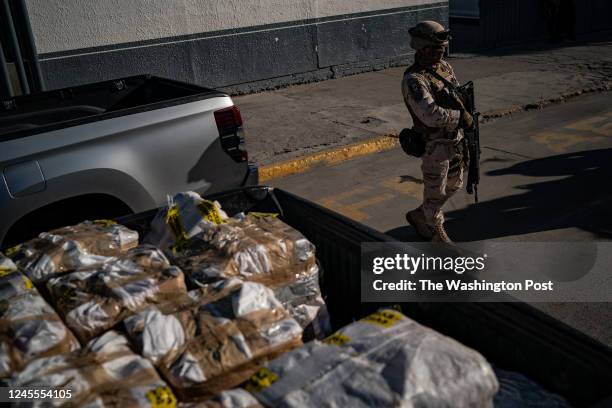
column 261, row 248
column 205, row 349
column 69, row 248
column 12, row 281
column 95, row 299
column 256, row 248
column 105, row 373
column 29, row 327
column 234, row 398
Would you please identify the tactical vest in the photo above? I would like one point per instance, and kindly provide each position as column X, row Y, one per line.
column 439, row 92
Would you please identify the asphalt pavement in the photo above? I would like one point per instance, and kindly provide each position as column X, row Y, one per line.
column 545, row 177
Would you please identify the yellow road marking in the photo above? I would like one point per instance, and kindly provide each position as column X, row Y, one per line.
column 590, row 130
column 337, row 202
column 600, row 125
column 355, row 211
column 559, row 142
column 336, row 198
column 406, row 187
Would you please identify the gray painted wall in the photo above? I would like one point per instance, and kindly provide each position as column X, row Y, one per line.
column 242, row 45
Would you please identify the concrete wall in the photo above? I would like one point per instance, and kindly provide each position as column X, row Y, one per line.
column 241, row 45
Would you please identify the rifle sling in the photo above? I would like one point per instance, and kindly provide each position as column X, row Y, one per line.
column 444, row 80
column 450, row 85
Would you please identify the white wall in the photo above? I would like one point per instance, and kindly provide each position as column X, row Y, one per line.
column 61, row 25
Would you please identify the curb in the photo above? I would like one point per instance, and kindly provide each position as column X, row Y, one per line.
column 328, row 157
column 390, row 141
column 564, row 97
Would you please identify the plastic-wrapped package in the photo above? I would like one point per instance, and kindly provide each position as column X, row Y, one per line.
column 6, row 265
column 517, row 391
column 385, row 359
column 260, row 248
column 216, row 345
column 93, row 300
column 29, row 329
column 69, row 248
column 144, row 394
column 106, row 372
column 186, row 215
column 12, row 281
column 302, row 299
column 256, row 248
column 234, row 398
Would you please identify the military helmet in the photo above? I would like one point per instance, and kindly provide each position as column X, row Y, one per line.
column 428, row 34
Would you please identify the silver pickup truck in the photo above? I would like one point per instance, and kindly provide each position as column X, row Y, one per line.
column 112, row 148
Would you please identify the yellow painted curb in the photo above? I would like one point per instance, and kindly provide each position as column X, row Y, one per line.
column 328, row 157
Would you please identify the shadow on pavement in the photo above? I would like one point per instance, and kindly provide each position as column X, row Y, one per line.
column 533, row 47
column 581, row 198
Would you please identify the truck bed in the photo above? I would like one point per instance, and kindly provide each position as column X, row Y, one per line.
column 512, row 336
column 31, row 114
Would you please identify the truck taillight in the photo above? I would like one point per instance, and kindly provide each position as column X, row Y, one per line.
column 229, row 123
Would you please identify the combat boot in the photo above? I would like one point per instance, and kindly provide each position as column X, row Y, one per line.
column 416, row 218
column 440, row 235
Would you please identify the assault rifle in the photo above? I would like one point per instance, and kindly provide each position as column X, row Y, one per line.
column 464, row 96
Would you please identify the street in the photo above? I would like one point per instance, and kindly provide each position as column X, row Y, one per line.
column 545, row 176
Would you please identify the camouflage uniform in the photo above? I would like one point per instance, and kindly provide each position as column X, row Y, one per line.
column 436, row 116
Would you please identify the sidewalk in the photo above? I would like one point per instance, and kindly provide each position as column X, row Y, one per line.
column 298, row 121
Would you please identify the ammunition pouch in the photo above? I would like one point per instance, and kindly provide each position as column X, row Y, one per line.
column 412, row 142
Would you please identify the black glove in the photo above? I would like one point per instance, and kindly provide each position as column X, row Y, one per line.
column 466, row 121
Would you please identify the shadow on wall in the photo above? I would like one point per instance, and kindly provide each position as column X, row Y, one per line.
column 581, row 198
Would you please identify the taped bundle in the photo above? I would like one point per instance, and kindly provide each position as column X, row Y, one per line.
column 260, row 248
column 69, row 248
column 186, row 215
column 385, row 359
column 12, row 281
column 6, row 265
column 92, row 300
column 234, row 398
column 29, row 327
column 304, row 302
column 105, row 373
column 256, row 248
column 214, row 346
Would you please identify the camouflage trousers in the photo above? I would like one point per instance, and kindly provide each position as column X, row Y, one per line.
column 443, row 170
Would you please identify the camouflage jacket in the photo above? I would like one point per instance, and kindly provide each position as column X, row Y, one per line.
column 434, row 113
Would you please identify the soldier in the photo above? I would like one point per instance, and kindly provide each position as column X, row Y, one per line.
column 439, row 119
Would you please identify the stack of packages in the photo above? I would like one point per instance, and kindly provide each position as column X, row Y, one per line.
column 209, row 247
column 94, row 299
column 206, row 344
column 67, row 249
column 385, row 359
column 29, row 327
column 254, row 298
column 104, row 373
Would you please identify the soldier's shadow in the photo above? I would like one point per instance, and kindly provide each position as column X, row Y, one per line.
column 580, row 198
